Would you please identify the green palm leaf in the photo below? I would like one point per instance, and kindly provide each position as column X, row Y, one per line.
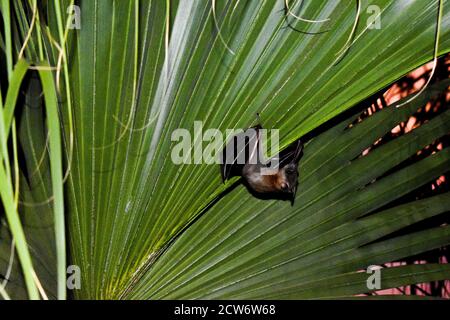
column 245, row 248
column 141, row 226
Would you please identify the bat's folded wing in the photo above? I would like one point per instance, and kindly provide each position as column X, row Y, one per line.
column 241, row 149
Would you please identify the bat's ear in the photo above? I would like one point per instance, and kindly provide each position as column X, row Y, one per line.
column 294, row 193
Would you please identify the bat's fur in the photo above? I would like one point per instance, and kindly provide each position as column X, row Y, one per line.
column 284, row 180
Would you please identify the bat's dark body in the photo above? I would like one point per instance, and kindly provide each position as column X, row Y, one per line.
column 245, row 161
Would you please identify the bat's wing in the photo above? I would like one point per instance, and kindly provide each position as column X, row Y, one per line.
column 291, row 154
column 242, row 148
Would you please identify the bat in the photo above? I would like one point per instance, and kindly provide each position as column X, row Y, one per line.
column 242, row 157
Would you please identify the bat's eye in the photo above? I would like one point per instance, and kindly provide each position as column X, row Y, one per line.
column 290, row 170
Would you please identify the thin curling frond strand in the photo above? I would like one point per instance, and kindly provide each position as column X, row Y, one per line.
column 290, row 13
column 219, row 33
column 30, row 31
column 349, row 42
column 435, row 57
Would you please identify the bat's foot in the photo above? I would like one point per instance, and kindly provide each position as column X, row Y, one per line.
column 258, row 120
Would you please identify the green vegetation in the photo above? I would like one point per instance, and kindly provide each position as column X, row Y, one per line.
column 86, row 117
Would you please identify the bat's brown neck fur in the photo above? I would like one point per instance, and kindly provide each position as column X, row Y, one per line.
column 267, row 183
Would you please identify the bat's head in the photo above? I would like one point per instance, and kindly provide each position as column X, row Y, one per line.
column 288, row 178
